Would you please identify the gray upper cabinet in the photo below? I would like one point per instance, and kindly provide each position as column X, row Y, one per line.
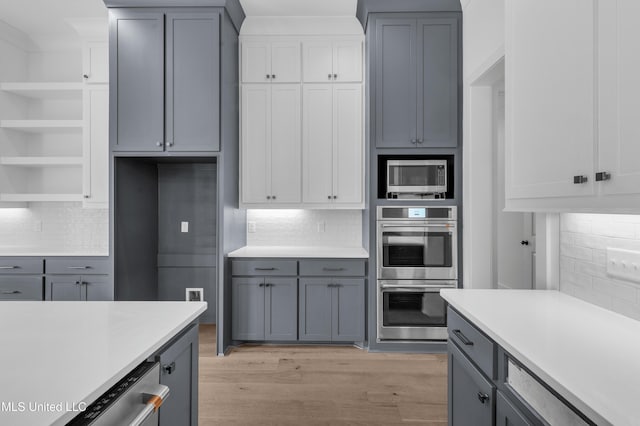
column 164, row 103
column 416, row 66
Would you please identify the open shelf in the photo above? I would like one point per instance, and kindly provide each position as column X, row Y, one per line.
column 40, row 197
column 41, row 161
column 42, row 90
column 43, row 126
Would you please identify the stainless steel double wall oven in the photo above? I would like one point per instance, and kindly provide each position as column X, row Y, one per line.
column 417, row 255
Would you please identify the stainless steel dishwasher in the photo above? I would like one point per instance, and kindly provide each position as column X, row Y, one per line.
column 133, row 401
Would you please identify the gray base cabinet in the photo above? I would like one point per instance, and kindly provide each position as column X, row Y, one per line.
column 331, row 309
column 507, row 414
column 20, row 288
column 78, row 288
column 179, row 371
column 264, row 309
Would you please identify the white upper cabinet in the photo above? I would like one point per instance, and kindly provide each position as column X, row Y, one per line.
column 619, row 119
column 332, row 61
column 95, row 62
column 95, row 147
column 264, row 61
column 572, row 97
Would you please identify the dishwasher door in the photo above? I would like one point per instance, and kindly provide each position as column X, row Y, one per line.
column 133, row 401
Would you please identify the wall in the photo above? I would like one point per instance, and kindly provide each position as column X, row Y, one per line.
column 584, row 239
column 483, row 32
column 57, row 228
column 342, row 228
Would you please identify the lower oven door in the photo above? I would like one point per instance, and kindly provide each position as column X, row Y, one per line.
column 412, row 310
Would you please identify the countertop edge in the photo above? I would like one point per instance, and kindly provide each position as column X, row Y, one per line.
column 289, row 252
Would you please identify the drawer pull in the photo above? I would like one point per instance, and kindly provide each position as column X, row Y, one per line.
column 8, row 267
column 333, row 269
column 265, row 269
column 483, row 397
column 78, row 267
column 462, row 338
column 268, row 285
column 12, row 292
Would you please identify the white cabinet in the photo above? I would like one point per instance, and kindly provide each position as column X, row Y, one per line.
column 95, row 147
column 572, row 96
column 265, row 61
column 332, row 145
column 330, row 61
column 95, row 62
column 270, row 145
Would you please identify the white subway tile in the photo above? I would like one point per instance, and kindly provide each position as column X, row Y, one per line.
column 600, row 257
column 577, row 279
column 567, row 263
column 590, row 269
column 590, row 241
column 614, row 229
column 567, row 238
column 616, row 289
column 576, row 252
column 578, row 226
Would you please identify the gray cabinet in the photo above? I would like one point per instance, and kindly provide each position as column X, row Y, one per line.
column 20, row 278
column 165, row 81
column 416, row 66
column 77, row 279
column 179, row 371
column 471, row 395
column 331, row 309
column 508, row 415
column 264, row 308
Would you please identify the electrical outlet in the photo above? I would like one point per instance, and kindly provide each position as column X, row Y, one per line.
column 184, row 227
column 251, row 227
column 322, row 226
column 624, row 264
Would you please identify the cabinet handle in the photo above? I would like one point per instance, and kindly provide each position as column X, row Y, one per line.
column 273, row 76
column 331, row 285
column 87, row 196
column 329, row 76
column 268, row 197
column 158, row 143
column 462, row 338
column 414, row 141
column 261, row 285
column 335, row 197
column 602, row 176
column 8, row 267
column 77, row 282
column 580, row 179
column 12, row 292
column 85, row 76
column 333, row 269
column 268, row 76
column 268, row 285
column 483, row 397
column 524, row 243
column 335, row 76
column 169, row 368
column 328, row 197
column 420, row 141
column 78, row 267
column 273, row 197
column 265, row 269
column 170, row 143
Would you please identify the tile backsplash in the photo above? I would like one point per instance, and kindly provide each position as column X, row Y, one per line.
column 342, row 228
column 584, row 239
column 56, row 228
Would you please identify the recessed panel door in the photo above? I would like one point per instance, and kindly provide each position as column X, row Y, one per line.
column 317, row 143
column 286, row 144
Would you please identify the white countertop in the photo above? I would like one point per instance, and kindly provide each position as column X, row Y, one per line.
column 589, row 355
column 72, row 352
column 12, row 253
column 301, row 252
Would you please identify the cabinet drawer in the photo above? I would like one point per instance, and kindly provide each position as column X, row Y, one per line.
column 264, row 267
column 77, row 265
column 20, row 265
column 347, row 268
column 21, row 288
column 476, row 345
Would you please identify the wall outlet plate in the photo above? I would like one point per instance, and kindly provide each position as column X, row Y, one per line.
column 194, row 295
column 251, row 227
column 184, row 227
column 623, row 264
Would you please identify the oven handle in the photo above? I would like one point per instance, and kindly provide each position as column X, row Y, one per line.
column 153, row 400
column 421, row 225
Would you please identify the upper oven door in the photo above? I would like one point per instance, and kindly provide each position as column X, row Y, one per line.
column 417, row 251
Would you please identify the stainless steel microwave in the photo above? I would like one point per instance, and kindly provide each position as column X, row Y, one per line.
column 416, row 178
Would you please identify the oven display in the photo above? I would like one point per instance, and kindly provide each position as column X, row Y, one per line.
column 416, row 213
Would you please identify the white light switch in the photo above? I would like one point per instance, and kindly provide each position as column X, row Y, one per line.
column 624, row 264
column 184, row 226
column 322, row 226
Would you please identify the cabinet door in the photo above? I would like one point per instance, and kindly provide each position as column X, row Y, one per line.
column 317, row 143
column 317, row 61
column 619, row 95
column 348, row 144
column 550, row 95
column 95, row 62
column 285, row 62
column 315, row 309
column 507, row 414
column 95, row 147
column 471, row 396
column 179, row 371
column 247, row 308
column 438, row 83
column 256, row 134
column 193, row 82
column 281, row 309
column 20, row 288
column 137, row 80
column 395, row 83
column 64, row 288
column 286, row 144
column 97, row 288
column 256, row 62
column 347, row 61
column 347, row 310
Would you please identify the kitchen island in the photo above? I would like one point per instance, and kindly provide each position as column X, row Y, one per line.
column 585, row 357
column 58, row 357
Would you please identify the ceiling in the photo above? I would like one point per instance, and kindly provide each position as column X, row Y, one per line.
column 40, row 19
column 298, row 7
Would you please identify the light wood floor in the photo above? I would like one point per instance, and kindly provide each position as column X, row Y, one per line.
column 319, row 385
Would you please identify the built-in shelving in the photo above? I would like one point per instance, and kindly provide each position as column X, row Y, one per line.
column 40, row 197
column 44, row 90
column 43, row 126
column 41, row 161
